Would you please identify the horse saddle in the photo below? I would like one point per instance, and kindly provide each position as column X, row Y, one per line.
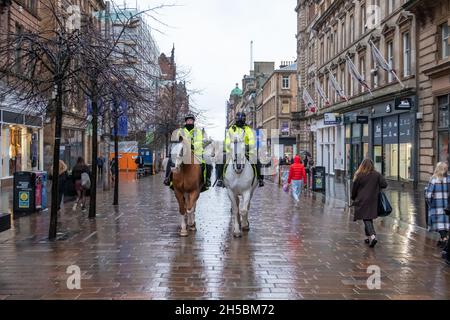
column 203, row 177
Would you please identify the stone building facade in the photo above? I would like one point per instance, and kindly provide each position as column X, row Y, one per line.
column 21, row 129
column 379, row 120
column 433, row 51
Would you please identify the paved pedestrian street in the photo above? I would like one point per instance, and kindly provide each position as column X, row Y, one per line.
column 134, row 251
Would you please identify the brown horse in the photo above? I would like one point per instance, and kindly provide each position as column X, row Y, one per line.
column 187, row 183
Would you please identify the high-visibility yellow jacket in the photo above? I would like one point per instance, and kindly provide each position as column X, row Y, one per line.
column 196, row 136
column 249, row 138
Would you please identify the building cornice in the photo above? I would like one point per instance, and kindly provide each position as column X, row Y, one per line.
column 320, row 21
column 438, row 70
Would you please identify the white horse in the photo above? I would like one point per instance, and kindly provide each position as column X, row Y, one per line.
column 240, row 181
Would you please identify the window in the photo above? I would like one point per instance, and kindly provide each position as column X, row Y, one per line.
column 445, row 44
column 342, row 82
column 375, row 13
column 344, row 38
column 362, row 71
column 375, row 75
column 285, row 128
column 285, row 84
column 406, row 54
column 18, row 51
column 363, row 19
column 336, row 42
column 443, row 125
column 352, row 29
column 390, row 59
column 321, row 53
column 285, row 106
column 336, row 97
column 331, row 46
column 350, row 84
column 390, row 6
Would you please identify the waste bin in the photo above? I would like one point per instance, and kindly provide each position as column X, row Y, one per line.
column 318, row 179
column 30, row 191
column 41, row 190
column 24, row 193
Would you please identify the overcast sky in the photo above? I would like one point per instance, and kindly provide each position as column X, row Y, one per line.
column 212, row 40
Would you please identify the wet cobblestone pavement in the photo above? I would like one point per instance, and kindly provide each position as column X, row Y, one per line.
column 314, row 251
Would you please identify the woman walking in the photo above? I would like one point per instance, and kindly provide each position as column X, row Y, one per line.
column 436, row 196
column 77, row 172
column 62, row 178
column 367, row 185
column 297, row 176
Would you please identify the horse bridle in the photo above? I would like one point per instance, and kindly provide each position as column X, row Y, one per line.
column 238, row 167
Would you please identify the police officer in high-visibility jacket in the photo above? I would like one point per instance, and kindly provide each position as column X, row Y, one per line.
column 249, row 143
column 196, row 135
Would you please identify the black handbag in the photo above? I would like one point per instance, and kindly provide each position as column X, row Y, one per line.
column 384, row 207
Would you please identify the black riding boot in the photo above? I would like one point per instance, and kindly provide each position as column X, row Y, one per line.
column 168, row 172
column 208, row 175
column 219, row 174
column 258, row 174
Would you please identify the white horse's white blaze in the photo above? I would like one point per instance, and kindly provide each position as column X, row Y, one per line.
column 240, row 181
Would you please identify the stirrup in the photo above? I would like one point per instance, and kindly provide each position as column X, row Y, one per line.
column 220, row 183
column 167, row 181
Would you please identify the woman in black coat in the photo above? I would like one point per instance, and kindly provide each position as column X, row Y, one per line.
column 367, row 185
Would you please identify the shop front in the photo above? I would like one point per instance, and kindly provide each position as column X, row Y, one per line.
column 330, row 144
column 21, row 144
column 386, row 134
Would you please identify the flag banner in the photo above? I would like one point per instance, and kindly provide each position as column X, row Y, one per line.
column 381, row 62
column 309, row 102
column 122, row 119
column 351, row 68
column 321, row 93
column 332, row 80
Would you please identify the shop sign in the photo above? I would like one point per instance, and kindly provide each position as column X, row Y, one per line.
column 332, row 119
column 362, row 119
column 403, row 103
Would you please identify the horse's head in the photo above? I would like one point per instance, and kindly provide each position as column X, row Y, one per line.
column 237, row 147
column 177, row 152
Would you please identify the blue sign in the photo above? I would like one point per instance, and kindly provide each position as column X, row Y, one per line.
column 123, row 120
column 24, row 200
column 89, row 106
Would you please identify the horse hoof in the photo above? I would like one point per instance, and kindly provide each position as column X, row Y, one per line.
column 247, row 228
column 184, row 233
column 193, row 227
column 237, row 235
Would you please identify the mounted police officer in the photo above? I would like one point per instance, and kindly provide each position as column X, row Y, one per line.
column 197, row 138
column 240, row 128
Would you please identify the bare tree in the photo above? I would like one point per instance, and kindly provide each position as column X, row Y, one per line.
column 43, row 70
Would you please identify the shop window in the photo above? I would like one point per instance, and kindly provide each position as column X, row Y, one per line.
column 15, row 150
column 391, row 147
column 405, row 161
column 366, row 130
column 356, row 130
column 378, row 158
column 391, row 161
